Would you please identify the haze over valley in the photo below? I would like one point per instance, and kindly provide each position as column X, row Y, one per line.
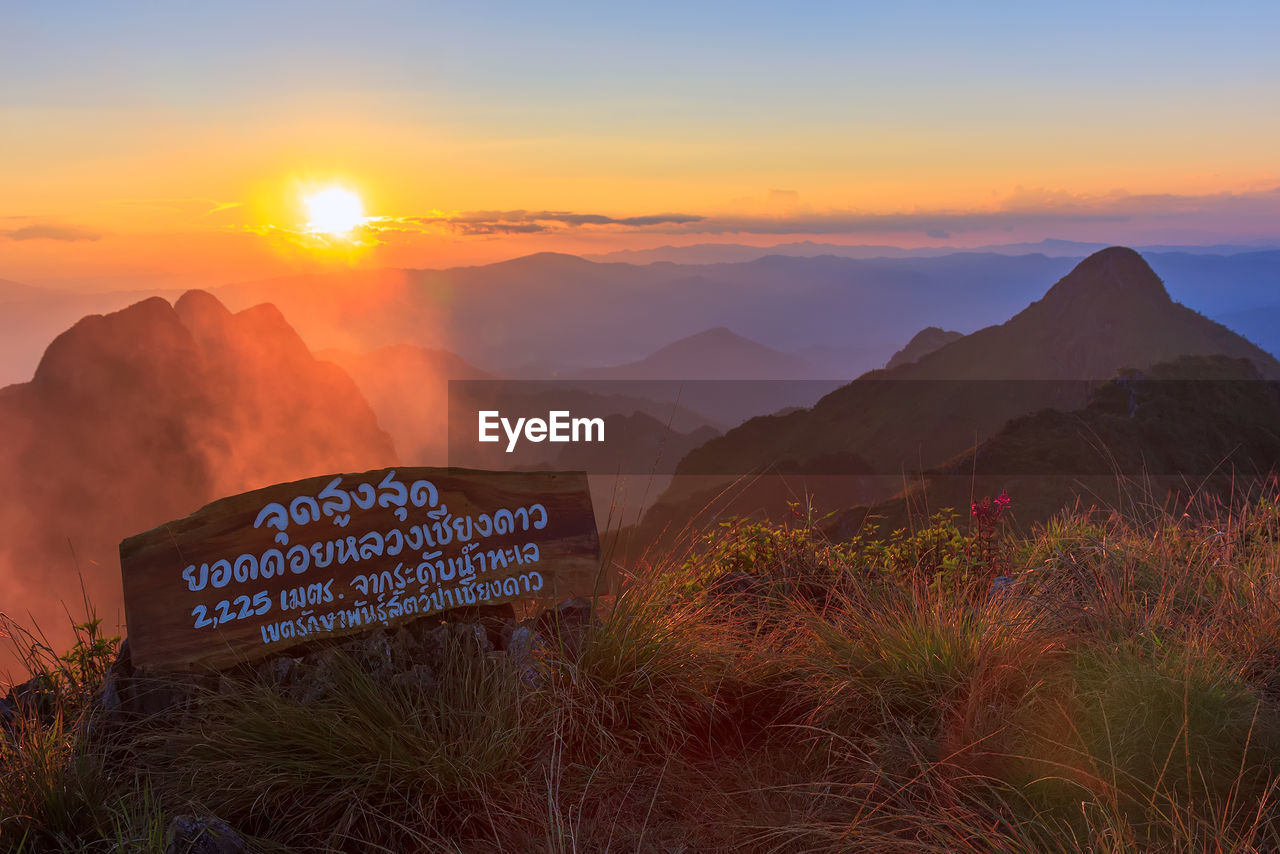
column 174, row 405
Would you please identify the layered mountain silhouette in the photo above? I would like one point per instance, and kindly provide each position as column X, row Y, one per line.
column 1110, row 312
column 144, row 415
column 643, row 443
column 552, row 315
column 726, row 376
column 707, row 253
column 716, row 354
column 567, row 314
column 1260, row 325
column 1201, row 427
column 925, row 342
column 11, row 291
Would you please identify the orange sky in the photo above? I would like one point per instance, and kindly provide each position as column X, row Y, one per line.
column 172, row 147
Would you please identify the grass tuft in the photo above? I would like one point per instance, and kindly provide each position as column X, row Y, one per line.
column 1107, row 683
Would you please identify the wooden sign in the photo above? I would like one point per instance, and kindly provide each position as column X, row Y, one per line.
column 256, row 573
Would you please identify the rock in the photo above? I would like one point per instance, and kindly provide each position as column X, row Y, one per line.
column 153, row 696
column 525, row 650
column 409, row 656
column 452, row 639
column 312, row 679
column 371, row 651
column 566, row 625
column 406, row 649
column 504, row 637
column 482, row 638
column 112, row 701
column 520, row 642
column 573, row 612
column 419, row 677
column 109, row 700
column 188, row 834
column 123, row 664
column 491, row 617
column 279, row 671
column 35, row 697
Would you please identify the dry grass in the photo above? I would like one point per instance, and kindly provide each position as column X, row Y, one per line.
column 1122, row 694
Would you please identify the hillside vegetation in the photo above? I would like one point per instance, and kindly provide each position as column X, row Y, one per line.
column 1109, row 315
column 1107, row 683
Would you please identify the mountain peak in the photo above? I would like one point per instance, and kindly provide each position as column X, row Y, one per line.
column 1116, row 275
column 198, row 303
column 924, row 342
column 205, row 317
column 718, row 333
column 718, row 353
column 545, row 261
column 122, row 337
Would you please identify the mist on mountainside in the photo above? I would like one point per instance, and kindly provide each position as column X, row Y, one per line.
column 1110, row 313
column 142, row 416
column 548, row 315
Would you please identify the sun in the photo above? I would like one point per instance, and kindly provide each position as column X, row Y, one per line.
column 333, row 211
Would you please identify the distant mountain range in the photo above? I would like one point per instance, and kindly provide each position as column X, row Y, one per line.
column 648, row 430
column 1260, row 325
column 497, row 317
column 926, row 341
column 736, row 253
column 555, row 315
column 727, row 377
column 17, row 292
column 142, row 415
column 1110, row 312
column 715, row 354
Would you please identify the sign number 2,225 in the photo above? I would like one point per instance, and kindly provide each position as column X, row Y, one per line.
column 237, row 609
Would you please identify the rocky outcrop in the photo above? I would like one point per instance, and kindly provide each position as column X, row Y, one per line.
column 411, row 657
column 144, row 415
column 190, row 834
column 1109, row 313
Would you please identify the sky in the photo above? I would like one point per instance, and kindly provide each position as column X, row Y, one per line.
column 150, row 144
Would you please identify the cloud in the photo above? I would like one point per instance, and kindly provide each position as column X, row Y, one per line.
column 363, row 235
column 532, row 222
column 1040, row 209
column 1048, row 211
column 186, row 204
column 930, row 223
column 45, row 231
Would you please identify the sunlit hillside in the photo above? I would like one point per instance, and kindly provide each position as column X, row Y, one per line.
column 1108, row 683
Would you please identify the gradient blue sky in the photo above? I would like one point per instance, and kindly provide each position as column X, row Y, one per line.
column 189, row 131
